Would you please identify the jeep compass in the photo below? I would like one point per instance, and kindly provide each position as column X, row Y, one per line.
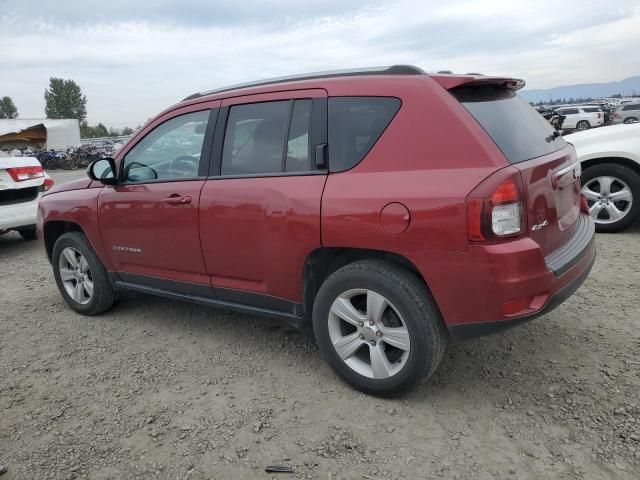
column 381, row 210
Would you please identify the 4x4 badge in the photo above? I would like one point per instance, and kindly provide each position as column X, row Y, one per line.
column 540, row 226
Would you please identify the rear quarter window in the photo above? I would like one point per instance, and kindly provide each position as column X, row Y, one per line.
column 355, row 125
column 518, row 130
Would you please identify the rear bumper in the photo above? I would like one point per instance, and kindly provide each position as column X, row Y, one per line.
column 473, row 330
column 19, row 215
column 492, row 287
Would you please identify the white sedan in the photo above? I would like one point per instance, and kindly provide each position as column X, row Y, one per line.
column 22, row 182
column 610, row 158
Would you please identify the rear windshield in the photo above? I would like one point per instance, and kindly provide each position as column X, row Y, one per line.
column 514, row 125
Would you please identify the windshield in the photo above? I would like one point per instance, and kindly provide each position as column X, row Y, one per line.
column 518, row 130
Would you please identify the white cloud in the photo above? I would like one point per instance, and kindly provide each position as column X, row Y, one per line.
column 130, row 68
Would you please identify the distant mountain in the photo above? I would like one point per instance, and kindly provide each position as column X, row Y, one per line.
column 626, row 87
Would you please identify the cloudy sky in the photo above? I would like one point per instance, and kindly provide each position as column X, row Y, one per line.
column 133, row 58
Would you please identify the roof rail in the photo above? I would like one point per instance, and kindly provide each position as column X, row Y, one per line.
column 388, row 70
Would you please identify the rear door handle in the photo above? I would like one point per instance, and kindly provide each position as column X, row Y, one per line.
column 176, row 199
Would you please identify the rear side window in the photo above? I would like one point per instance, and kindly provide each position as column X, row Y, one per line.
column 591, row 109
column 355, row 125
column 269, row 137
column 631, row 107
column 517, row 129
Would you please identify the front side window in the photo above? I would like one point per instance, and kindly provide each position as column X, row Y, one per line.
column 269, row 137
column 632, row 107
column 171, row 151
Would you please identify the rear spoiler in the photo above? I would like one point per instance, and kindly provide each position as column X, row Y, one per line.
column 454, row 81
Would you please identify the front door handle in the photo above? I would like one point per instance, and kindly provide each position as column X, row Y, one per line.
column 176, row 199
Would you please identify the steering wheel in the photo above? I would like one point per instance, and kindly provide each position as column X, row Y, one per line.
column 184, row 165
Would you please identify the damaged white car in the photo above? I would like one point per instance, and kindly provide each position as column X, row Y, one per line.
column 22, row 182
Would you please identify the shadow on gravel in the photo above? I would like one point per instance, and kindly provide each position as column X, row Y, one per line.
column 505, row 364
column 12, row 242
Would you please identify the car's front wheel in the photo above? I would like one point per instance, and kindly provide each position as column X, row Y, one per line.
column 378, row 327
column 613, row 194
column 81, row 278
column 630, row 120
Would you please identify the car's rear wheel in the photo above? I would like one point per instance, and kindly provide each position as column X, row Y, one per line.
column 613, row 194
column 583, row 125
column 81, row 278
column 28, row 233
column 378, row 327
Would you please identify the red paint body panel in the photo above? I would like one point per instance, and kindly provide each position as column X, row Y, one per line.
column 78, row 207
column 137, row 217
column 254, row 234
column 257, row 232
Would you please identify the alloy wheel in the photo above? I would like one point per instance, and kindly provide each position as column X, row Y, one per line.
column 75, row 275
column 610, row 199
column 368, row 333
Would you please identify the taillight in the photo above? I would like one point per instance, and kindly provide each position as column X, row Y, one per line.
column 48, row 183
column 616, row 115
column 495, row 209
column 599, row 115
column 20, row 174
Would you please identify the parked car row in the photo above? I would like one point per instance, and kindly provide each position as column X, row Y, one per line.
column 583, row 117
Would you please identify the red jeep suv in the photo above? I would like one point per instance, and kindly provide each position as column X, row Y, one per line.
column 383, row 210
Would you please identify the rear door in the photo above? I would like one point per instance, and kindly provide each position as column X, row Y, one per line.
column 260, row 211
column 548, row 165
column 149, row 220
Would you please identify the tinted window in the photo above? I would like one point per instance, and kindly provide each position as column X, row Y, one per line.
column 355, row 124
column 631, row 107
column 298, row 155
column 592, row 109
column 569, row 111
column 267, row 137
column 170, row 151
column 516, row 128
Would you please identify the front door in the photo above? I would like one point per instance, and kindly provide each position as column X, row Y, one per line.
column 149, row 220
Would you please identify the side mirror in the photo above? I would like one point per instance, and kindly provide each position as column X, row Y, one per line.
column 103, row 170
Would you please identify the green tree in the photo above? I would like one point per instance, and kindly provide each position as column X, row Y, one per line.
column 64, row 99
column 127, row 131
column 8, row 108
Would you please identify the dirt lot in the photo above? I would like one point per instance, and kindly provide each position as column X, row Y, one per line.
column 160, row 389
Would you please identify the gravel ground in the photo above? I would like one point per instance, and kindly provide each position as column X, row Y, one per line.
column 161, row 389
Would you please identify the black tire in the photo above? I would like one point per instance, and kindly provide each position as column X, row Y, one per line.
column 628, row 176
column 583, row 125
column 28, row 233
column 630, row 120
column 103, row 296
column 409, row 295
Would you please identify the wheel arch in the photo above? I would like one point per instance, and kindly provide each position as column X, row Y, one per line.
column 54, row 229
column 623, row 161
column 323, row 261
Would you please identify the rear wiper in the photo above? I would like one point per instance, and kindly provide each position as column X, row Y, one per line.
column 553, row 136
